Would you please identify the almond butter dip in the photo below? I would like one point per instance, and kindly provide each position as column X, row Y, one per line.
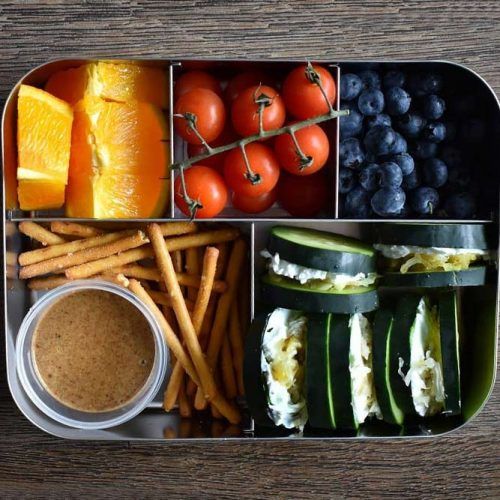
column 93, row 350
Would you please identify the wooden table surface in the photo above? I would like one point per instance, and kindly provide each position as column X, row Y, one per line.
column 464, row 464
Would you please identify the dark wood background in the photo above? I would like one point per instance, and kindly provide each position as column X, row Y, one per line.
column 464, row 464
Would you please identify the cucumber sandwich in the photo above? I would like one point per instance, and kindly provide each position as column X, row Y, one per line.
column 314, row 368
column 433, row 255
column 416, row 358
column 317, row 271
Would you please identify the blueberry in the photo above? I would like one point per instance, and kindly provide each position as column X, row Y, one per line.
column 433, row 107
column 422, row 150
column 388, row 201
column 435, row 172
column 460, row 206
column 434, row 132
column 410, row 125
column 370, row 79
column 405, row 211
column 472, row 130
column 380, row 140
column 405, row 162
column 357, row 204
column 397, row 101
column 412, row 180
column 350, row 86
column 459, row 177
column 380, row 119
column 352, row 124
column 347, row 180
column 451, row 156
column 421, row 84
column 400, row 145
column 369, row 177
column 371, row 102
column 394, row 78
column 390, row 175
column 424, row 200
column 351, row 154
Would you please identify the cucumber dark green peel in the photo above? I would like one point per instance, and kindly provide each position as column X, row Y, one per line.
column 318, row 382
column 321, row 250
column 475, row 276
column 399, row 347
column 434, row 235
column 382, row 330
column 340, row 337
column 284, row 292
column 449, row 332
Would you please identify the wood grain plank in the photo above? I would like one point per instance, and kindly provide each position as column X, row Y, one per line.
column 463, row 464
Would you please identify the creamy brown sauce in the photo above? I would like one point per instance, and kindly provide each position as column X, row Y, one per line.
column 93, row 350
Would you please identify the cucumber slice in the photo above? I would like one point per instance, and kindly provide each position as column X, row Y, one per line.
column 284, row 292
column 434, row 235
column 399, row 347
column 318, row 382
column 450, row 353
column 253, row 380
column 382, row 331
column 475, row 276
column 321, row 250
column 340, row 336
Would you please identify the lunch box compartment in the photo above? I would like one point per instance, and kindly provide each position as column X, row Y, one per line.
column 479, row 304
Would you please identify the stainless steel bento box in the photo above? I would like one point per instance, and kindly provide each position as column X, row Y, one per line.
column 480, row 304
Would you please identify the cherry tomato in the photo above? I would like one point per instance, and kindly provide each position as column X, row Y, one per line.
column 303, row 196
column 241, row 82
column 262, row 162
column 312, row 141
column 245, row 112
column 217, row 161
column 254, row 204
column 205, row 185
column 303, row 98
column 196, row 80
column 209, row 111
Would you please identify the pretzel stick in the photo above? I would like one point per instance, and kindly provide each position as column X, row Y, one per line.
column 178, row 228
column 83, row 256
column 166, row 267
column 170, row 337
column 200, row 308
column 75, row 229
column 11, row 259
column 178, row 259
column 184, row 403
column 227, row 369
column 162, row 298
column 153, row 274
column 236, row 341
column 50, row 282
column 39, row 233
column 192, row 268
column 234, row 269
column 41, row 254
column 179, row 243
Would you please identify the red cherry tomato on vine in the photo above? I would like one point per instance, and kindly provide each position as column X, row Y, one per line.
column 264, row 167
column 196, row 80
column 245, row 111
column 209, row 111
column 241, row 82
column 254, row 204
column 303, row 98
column 313, row 142
column 204, row 185
column 217, row 161
column 303, row 196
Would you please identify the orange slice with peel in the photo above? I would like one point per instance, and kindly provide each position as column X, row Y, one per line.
column 119, row 160
column 43, row 143
column 113, row 81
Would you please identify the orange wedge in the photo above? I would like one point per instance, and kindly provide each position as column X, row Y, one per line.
column 119, row 160
column 43, row 144
column 112, row 81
